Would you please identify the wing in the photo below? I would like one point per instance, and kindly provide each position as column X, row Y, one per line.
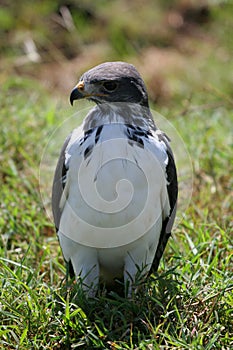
column 59, row 184
column 57, row 190
column 59, row 181
column 172, row 189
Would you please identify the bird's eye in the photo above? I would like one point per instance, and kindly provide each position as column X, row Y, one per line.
column 110, row 85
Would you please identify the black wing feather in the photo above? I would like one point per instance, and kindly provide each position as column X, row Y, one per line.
column 58, row 187
column 172, row 189
column 59, row 184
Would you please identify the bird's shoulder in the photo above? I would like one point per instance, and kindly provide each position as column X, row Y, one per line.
column 137, row 135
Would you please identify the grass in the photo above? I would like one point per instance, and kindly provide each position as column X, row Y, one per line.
column 189, row 303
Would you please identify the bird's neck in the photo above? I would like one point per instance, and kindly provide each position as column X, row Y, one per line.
column 122, row 113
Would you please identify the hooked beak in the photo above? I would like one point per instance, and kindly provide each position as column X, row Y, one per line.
column 78, row 92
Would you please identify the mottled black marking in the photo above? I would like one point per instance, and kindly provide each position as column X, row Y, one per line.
column 141, row 133
column 137, row 130
column 136, row 134
column 88, row 151
column 98, row 132
column 129, row 126
column 139, row 141
column 85, row 137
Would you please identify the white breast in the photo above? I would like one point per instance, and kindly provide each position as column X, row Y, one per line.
column 117, row 193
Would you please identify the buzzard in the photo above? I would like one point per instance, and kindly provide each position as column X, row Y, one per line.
column 115, row 186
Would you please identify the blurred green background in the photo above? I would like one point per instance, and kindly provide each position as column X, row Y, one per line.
column 179, row 46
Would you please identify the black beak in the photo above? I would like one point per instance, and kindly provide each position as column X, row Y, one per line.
column 75, row 95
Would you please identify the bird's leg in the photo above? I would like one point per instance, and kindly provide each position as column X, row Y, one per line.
column 130, row 271
column 86, row 268
column 89, row 280
column 136, row 266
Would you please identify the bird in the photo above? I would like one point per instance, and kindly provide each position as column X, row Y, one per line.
column 115, row 188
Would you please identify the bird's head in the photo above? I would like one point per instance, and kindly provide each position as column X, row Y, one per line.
column 111, row 82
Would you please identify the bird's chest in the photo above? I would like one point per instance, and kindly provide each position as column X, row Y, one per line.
column 114, row 167
column 115, row 182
